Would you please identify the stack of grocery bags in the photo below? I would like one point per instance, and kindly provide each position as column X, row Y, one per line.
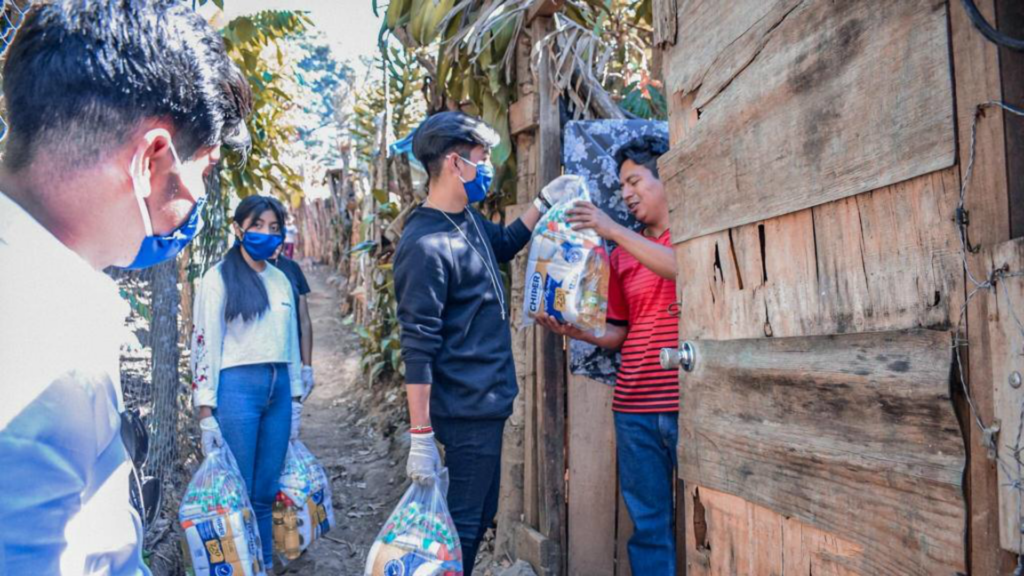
column 220, row 535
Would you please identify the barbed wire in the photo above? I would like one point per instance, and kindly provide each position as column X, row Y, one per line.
column 990, row 433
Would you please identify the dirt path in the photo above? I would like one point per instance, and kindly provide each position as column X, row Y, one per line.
column 342, row 425
column 367, row 480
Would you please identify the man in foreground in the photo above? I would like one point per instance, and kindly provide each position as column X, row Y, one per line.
column 117, row 110
column 642, row 291
column 453, row 311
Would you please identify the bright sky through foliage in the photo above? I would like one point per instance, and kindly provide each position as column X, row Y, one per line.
column 349, row 25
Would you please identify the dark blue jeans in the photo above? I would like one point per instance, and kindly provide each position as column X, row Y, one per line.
column 472, row 453
column 254, row 410
column 646, row 446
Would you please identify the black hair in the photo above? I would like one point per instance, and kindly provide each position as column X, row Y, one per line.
column 81, row 75
column 644, row 151
column 282, row 210
column 447, row 132
column 245, row 293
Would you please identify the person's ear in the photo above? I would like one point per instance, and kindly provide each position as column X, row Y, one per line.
column 454, row 162
column 153, row 162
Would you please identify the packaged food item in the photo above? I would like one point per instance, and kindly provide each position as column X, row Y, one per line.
column 220, row 535
column 303, row 511
column 567, row 271
column 419, row 538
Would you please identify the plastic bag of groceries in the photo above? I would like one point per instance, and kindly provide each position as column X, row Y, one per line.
column 419, row 538
column 303, row 511
column 220, row 532
column 567, row 271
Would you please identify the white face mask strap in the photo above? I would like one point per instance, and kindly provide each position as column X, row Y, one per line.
column 459, row 156
column 140, row 194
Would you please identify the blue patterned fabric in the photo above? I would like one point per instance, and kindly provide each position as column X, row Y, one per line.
column 588, row 150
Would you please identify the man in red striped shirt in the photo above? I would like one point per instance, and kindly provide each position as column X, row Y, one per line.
column 641, row 322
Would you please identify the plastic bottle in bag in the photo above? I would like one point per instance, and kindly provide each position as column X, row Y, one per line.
column 567, row 271
column 303, row 504
column 419, row 538
column 219, row 527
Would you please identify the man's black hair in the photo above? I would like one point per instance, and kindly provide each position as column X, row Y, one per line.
column 81, row 75
column 644, row 151
column 447, row 132
column 246, row 295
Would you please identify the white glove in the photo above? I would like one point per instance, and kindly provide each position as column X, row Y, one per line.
column 424, row 460
column 296, row 419
column 559, row 190
column 212, row 438
column 307, row 382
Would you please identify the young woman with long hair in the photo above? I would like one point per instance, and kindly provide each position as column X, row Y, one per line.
column 247, row 373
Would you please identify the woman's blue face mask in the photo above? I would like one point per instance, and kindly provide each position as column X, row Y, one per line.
column 260, row 246
column 476, row 189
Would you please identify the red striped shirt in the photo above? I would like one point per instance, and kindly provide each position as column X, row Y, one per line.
column 642, row 299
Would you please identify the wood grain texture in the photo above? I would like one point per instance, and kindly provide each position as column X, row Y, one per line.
column 885, row 260
column 976, row 73
column 976, row 70
column 592, row 495
column 664, row 23
column 854, row 434
column 1004, row 307
column 551, row 357
column 522, row 114
column 810, row 102
column 739, row 537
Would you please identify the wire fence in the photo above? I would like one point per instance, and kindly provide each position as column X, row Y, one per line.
column 1008, row 457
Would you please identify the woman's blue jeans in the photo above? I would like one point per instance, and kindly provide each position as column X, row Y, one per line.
column 255, row 417
column 646, row 446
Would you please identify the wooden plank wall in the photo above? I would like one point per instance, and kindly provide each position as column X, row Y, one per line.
column 883, row 260
column 592, row 490
column 976, row 66
column 1005, row 341
column 855, row 434
column 820, row 100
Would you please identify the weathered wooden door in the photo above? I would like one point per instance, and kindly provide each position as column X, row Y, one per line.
column 814, row 179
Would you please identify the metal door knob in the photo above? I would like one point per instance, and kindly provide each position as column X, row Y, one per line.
column 684, row 357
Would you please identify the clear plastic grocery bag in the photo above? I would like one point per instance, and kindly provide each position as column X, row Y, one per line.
column 419, row 538
column 303, row 511
column 216, row 517
column 567, row 271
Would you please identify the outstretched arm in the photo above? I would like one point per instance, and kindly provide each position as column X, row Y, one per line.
column 657, row 258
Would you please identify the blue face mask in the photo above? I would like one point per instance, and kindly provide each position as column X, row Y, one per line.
column 261, row 246
column 157, row 249
column 476, row 189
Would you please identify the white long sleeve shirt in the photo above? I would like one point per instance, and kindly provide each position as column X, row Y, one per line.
column 217, row 344
column 64, row 471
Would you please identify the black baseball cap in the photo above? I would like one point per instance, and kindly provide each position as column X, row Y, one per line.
column 441, row 132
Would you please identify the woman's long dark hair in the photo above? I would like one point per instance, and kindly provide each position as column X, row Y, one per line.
column 245, row 293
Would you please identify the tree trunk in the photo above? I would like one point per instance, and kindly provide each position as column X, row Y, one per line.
column 163, row 420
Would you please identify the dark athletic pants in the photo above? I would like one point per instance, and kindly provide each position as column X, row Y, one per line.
column 472, row 452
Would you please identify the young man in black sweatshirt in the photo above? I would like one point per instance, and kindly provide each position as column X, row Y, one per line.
column 453, row 311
